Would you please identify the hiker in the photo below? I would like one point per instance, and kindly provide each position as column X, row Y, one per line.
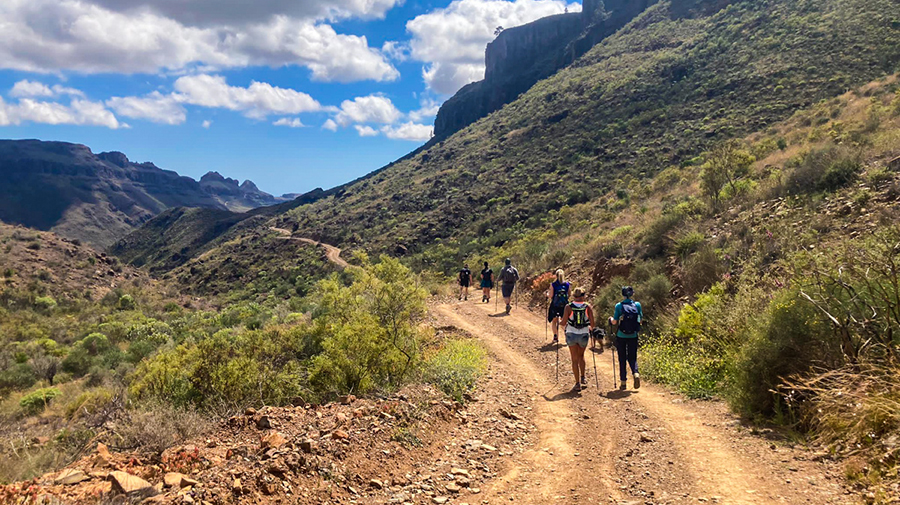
column 628, row 316
column 464, row 278
column 508, row 278
column 579, row 318
column 557, row 299
column 487, row 283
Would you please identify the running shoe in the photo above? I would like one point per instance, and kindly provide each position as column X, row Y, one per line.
column 584, row 382
column 637, row 381
column 622, row 385
column 555, row 339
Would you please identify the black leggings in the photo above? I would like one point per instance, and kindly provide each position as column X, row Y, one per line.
column 627, row 349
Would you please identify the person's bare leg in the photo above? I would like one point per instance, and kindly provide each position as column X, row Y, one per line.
column 555, row 326
column 573, row 352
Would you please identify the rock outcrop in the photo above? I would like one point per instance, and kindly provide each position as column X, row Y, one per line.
column 520, row 57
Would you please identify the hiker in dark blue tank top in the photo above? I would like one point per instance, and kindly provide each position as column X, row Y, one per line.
column 557, row 299
column 628, row 316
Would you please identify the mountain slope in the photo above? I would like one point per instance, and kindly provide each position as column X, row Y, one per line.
column 682, row 77
column 99, row 198
column 656, row 94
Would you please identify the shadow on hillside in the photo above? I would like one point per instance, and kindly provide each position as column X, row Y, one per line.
column 499, row 314
column 618, row 394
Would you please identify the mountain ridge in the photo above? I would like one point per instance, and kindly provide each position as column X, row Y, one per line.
column 98, row 198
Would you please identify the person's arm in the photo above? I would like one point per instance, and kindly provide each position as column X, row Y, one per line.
column 590, row 315
column 566, row 315
column 614, row 320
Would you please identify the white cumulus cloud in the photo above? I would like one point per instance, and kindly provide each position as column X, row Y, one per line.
column 258, row 100
column 368, row 109
column 366, row 131
column 206, row 124
column 78, row 112
column 154, row 107
column 26, row 88
column 408, row 131
column 142, row 37
column 231, row 11
column 451, row 41
column 289, row 122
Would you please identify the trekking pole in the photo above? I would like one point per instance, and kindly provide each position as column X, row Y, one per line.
column 594, row 358
column 613, row 340
column 496, row 298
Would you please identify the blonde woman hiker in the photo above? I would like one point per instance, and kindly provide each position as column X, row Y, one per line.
column 557, row 300
column 579, row 318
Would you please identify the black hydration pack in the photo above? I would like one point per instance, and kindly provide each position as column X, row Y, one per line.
column 629, row 323
column 579, row 318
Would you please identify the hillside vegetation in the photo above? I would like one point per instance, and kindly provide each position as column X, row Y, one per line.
column 656, row 94
column 711, row 155
column 93, row 351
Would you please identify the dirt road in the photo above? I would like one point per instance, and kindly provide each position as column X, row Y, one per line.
column 644, row 446
column 332, row 253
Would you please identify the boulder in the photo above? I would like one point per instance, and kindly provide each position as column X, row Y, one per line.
column 126, row 483
column 70, row 476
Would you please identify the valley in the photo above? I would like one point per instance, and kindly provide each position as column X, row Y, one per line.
column 165, row 340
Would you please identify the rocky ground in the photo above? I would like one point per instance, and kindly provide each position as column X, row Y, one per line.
column 522, row 438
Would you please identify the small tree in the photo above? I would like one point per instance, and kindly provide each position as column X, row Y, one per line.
column 498, row 31
column 726, row 165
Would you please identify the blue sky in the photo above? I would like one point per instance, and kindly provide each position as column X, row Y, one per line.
column 292, row 94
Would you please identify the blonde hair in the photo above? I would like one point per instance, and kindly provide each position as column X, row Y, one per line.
column 560, row 275
column 579, row 292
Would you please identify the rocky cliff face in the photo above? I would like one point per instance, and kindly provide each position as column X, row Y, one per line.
column 238, row 197
column 97, row 198
column 519, row 57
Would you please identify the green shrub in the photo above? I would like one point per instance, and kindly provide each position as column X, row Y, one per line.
column 654, row 293
column 880, row 177
column 35, row 402
column 701, row 270
column 689, row 243
column 895, row 105
column 126, row 302
column 44, row 303
column 78, row 362
column 456, row 367
column 655, row 235
column 16, row 377
column 90, row 402
column 689, row 367
column 825, row 169
column 790, row 337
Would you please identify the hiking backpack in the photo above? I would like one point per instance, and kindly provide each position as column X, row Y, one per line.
column 561, row 295
column 509, row 275
column 579, row 318
column 628, row 322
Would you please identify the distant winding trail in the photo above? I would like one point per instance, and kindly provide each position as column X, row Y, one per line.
column 332, row 253
column 632, row 447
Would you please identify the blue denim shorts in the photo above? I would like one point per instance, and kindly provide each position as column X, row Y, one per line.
column 580, row 339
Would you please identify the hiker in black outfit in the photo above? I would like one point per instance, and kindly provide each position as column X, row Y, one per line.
column 508, row 278
column 579, row 318
column 464, row 278
column 487, row 283
column 557, row 299
column 628, row 316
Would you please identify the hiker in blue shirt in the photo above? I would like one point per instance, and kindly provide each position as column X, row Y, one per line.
column 628, row 316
